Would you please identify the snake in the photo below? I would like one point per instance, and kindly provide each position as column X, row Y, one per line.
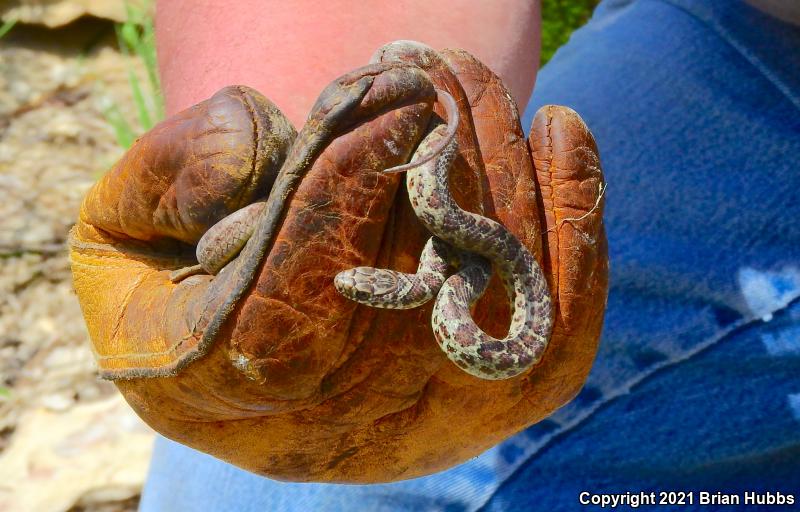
column 455, row 266
column 473, row 245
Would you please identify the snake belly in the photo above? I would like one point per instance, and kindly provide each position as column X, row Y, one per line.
column 468, row 242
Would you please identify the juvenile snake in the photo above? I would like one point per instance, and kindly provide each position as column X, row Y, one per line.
column 464, row 241
column 472, row 244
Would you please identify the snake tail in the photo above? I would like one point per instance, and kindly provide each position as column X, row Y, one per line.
column 220, row 244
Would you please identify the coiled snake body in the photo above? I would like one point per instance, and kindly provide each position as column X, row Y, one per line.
column 472, row 244
column 465, row 241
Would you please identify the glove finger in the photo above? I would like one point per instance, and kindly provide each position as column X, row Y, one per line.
column 469, row 177
column 572, row 190
column 503, row 149
column 191, row 170
column 505, row 160
column 572, row 196
column 139, row 219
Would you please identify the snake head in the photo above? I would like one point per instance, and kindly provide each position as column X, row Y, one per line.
column 367, row 285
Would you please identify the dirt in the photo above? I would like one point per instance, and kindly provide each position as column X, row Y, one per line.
column 67, row 439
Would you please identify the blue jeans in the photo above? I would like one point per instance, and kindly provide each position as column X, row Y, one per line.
column 695, row 106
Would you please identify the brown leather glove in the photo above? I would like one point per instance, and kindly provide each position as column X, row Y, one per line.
column 265, row 365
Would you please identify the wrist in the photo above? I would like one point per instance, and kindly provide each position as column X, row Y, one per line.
column 292, row 53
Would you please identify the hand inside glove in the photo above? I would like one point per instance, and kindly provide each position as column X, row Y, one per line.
column 258, row 359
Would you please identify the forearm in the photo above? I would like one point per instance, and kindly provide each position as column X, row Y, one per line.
column 290, row 50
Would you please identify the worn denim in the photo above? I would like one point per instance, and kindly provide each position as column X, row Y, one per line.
column 695, row 106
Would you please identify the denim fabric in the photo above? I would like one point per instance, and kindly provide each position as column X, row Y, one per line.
column 695, row 106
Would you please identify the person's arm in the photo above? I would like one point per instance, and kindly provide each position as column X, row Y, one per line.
column 290, row 51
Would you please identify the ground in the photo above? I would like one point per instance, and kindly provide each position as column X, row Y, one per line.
column 67, row 439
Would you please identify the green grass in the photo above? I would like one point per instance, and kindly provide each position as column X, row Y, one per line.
column 136, row 40
column 559, row 19
column 6, row 27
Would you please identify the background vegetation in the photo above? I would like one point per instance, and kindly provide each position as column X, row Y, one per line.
column 559, row 19
column 136, row 40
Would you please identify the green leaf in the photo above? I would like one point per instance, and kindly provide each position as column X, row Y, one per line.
column 129, row 35
column 141, row 104
column 6, row 27
column 136, row 39
column 122, row 129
